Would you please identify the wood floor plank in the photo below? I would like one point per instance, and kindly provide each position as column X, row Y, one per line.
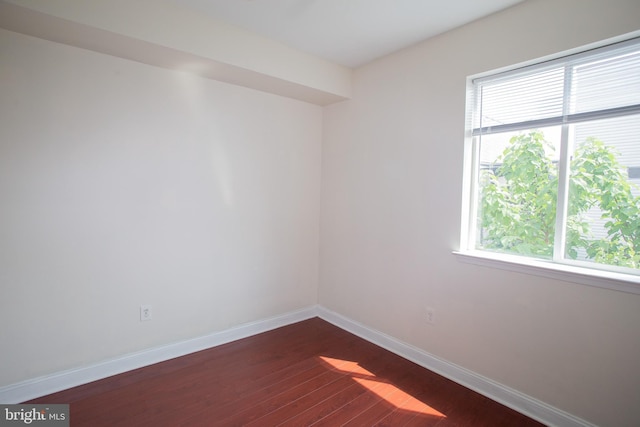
column 308, row 373
column 279, row 399
column 397, row 401
column 360, row 411
column 296, row 406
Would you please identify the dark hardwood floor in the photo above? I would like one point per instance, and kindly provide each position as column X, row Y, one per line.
column 309, row 373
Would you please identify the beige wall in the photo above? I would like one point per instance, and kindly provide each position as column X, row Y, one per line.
column 123, row 184
column 391, row 186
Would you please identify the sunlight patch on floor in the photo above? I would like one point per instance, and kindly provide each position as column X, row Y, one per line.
column 389, row 392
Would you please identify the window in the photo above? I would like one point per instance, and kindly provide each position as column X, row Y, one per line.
column 553, row 169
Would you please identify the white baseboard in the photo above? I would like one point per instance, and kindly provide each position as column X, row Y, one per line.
column 514, row 399
column 41, row 386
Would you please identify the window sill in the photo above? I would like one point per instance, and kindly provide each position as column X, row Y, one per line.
column 601, row 279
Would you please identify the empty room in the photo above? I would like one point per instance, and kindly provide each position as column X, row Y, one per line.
column 320, row 212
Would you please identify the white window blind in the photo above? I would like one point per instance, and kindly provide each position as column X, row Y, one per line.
column 572, row 89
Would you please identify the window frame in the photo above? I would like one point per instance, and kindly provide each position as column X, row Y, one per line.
column 560, row 269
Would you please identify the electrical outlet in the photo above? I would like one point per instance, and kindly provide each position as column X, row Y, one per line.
column 145, row 313
column 430, row 316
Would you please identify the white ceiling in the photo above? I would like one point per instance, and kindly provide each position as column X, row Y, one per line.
column 348, row 32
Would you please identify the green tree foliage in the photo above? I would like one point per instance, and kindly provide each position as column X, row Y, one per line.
column 519, row 198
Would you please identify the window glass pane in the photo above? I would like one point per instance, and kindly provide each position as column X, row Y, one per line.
column 518, row 187
column 603, row 223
